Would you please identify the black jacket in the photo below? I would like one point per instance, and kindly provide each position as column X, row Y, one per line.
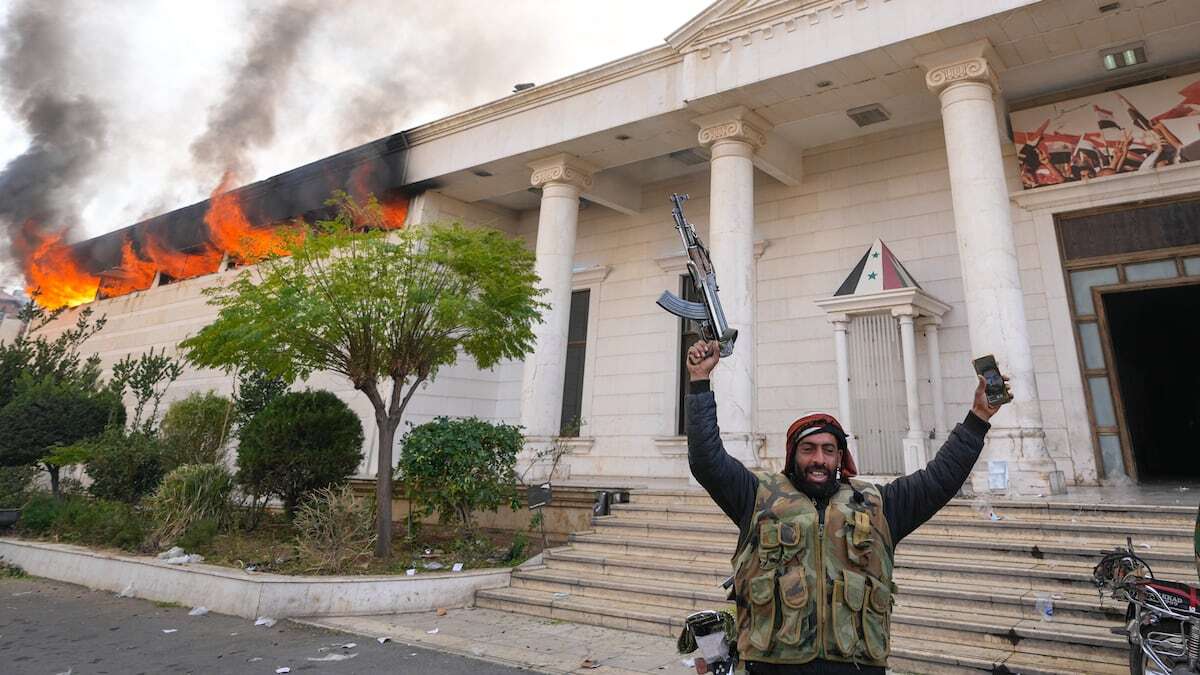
column 908, row 501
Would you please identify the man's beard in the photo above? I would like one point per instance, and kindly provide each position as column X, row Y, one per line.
column 820, row 491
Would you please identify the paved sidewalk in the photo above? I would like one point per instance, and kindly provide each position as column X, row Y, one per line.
column 545, row 645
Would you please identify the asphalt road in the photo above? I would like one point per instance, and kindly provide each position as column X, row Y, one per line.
column 50, row 628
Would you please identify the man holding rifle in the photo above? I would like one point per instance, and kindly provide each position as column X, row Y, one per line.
column 813, row 566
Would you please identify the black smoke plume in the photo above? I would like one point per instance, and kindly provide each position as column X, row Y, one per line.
column 67, row 131
column 245, row 116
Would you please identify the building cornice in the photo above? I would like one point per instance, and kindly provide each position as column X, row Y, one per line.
column 651, row 59
column 745, row 20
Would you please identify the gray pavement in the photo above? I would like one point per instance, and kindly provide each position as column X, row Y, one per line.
column 47, row 628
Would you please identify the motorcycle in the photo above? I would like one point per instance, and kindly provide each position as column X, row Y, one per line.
column 1162, row 618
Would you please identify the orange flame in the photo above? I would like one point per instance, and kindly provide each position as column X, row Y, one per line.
column 231, row 232
column 134, row 274
column 53, row 273
column 394, row 213
column 194, row 262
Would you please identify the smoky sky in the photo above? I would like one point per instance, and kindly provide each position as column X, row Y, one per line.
column 67, row 130
column 244, row 118
column 111, row 113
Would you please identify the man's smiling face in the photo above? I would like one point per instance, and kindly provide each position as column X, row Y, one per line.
column 817, row 459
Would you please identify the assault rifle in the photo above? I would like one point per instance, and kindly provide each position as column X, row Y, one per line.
column 708, row 312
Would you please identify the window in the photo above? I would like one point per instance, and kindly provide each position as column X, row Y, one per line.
column 572, row 402
column 689, row 334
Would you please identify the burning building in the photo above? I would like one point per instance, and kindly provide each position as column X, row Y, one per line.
column 235, row 226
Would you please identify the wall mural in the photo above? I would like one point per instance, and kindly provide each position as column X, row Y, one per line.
column 1135, row 129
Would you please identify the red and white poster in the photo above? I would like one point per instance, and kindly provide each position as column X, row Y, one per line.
column 1135, row 129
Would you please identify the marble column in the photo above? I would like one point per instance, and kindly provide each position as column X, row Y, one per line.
column 965, row 80
column 732, row 137
column 841, row 324
column 929, row 325
column 915, row 451
column 561, row 178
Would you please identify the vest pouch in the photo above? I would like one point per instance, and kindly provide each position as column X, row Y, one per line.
column 769, row 553
column 762, row 610
column 858, row 539
column 793, row 590
column 849, row 595
column 875, row 620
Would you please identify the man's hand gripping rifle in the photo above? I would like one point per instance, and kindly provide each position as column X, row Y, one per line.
column 708, row 312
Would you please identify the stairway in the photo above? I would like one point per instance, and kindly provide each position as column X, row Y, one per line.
column 968, row 583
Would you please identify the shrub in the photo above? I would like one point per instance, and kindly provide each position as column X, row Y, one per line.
column 335, row 529
column 101, row 522
column 52, row 414
column 195, row 429
column 255, row 389
column 124, row 467
column 16, row 485
column 301, row 442
column 39, row 514
column 189, row 495
column 457, row 466
column 86, row 521
column 200, row 535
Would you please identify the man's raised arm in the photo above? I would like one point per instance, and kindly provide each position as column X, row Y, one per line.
column 911, row 500
column 727, row 481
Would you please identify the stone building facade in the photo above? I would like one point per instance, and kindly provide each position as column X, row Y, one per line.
column 747, row 108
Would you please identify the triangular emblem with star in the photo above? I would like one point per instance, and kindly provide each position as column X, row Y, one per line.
column 878, row 270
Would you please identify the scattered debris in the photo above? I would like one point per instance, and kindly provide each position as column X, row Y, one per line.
column 256, row 658
column 232, row 634
column 1145, row 546
column 688, row 663
column 431, row 632
column 411, row 571
column 17, row 595
column 434, row 565
column 383, row 639
column 185, row 559
column 589, row 664
column 441, row 611
column 68, row 671
column 170, row 630
column 458, row 567
column 349, row 645
column 264, row 621
column 280, row 671
column 199, row 611
column 333, row 657
column 561, row 596
column 127, row 592
column 175, row 552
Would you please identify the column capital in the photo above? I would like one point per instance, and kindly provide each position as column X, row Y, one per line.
column 906, row 313
column 737, row 123
column 973, row 62
column 929, row 321
column 562, row 168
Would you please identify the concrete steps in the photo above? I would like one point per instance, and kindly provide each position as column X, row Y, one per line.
column 968, row 584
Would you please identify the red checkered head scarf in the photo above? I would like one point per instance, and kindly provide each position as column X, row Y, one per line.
column 817, row 423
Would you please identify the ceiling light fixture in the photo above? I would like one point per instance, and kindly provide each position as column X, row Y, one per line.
column 1124, row 57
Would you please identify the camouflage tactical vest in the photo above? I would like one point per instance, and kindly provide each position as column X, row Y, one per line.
column 806, row 590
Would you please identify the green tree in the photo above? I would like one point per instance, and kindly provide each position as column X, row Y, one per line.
column 377, row 308
column 299, row 443
column 195, row 429
column 33, row 358
column 48, row 416
column 458, row 466
column 255, row 389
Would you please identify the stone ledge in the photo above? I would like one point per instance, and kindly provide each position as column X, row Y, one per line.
column 249, row 595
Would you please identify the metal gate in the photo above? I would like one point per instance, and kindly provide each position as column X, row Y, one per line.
column 877, row 393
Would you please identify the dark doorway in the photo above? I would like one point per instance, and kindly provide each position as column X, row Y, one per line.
column 1155, row 340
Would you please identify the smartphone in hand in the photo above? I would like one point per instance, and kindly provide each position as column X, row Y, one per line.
column 993, row 382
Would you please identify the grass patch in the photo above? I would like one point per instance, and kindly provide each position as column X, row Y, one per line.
column 11, row 571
